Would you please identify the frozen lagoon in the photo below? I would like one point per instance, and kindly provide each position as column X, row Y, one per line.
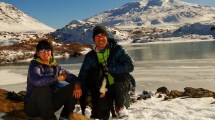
column 149, row 75
column 173, row 65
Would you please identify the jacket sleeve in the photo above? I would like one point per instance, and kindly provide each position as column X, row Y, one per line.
column 37, row 79
column 83, row 71
column 120, row 62
column 71, row 78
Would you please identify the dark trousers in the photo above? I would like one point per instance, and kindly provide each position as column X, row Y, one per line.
column 117, row 93
column 44, row 103
column 83, row 101
column 100, row 106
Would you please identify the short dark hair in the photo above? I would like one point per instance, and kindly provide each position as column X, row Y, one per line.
column 43, row 44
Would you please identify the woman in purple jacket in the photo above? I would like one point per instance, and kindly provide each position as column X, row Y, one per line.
column 49, row 86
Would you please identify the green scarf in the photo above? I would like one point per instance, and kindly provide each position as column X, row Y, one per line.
column 52, row 61
column 102, row 58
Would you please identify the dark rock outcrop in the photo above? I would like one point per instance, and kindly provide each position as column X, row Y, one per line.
column 189, row 92
column 163, row 90
column 197, row 92
column 7, row 105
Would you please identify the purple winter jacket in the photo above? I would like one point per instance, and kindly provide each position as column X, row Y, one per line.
column 40, row 75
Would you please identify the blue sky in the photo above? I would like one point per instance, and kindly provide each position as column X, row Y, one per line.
column 58, row 13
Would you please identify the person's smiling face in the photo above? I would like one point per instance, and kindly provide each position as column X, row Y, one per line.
column 101, row 41
column 44, row 54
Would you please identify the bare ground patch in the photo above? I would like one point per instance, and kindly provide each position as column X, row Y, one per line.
column 25, row 50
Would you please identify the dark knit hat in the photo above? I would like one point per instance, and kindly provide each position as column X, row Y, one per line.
column 44, row 44
column 99, row 29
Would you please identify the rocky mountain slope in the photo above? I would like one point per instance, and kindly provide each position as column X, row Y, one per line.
column 144, row 21
column 138, row 22
column 155, row 13
column 80, row 31
column 14, row 20
column 19, row 34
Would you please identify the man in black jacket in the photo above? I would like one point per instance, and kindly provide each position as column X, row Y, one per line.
column 105, row 74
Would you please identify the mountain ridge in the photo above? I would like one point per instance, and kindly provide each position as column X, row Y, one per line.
column 153, row 13
column 14, row 20
column 133, row 22
column 163, row 17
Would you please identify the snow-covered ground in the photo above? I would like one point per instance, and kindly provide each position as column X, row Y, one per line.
column 174, row 74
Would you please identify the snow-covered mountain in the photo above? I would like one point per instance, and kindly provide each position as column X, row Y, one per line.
column 196, row 29
column 149, row 18
column 154, row 13
column 14, row 20
column 80, row 31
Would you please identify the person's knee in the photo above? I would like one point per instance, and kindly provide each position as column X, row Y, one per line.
column 31, row 114
column 42, row 90
column 43, row 95
column 69, row 88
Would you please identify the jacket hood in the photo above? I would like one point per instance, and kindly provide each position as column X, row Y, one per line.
column 112, row 41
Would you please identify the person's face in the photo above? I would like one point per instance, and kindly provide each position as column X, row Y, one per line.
column 44, row 54
column 101, row 41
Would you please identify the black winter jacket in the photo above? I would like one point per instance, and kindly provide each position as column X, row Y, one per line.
column 119, row 63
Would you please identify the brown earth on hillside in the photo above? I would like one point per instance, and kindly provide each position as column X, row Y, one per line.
column 26, row 49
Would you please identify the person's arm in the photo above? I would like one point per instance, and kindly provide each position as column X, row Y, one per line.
column 82, row 77
column 37, row 79
column 122, row 62
column 69, row 77
column 83, row 73
column 72, row 79
column 133, row 82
